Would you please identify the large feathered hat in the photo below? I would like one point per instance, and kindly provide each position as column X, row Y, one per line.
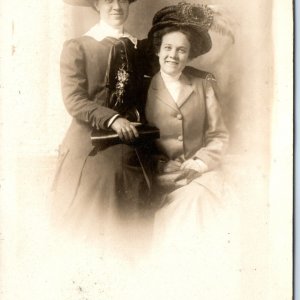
column 197, row 18
column 85, row 2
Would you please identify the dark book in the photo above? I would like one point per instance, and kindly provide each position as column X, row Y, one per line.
column 105, row 138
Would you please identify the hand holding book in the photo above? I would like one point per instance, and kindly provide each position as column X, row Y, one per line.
column 105, row 138
column 125, row 129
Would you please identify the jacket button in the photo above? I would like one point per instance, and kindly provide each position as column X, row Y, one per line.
column 179, row 117
column 122, row 57
column 180, row 138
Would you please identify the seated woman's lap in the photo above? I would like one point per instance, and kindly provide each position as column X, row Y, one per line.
column 194, row 218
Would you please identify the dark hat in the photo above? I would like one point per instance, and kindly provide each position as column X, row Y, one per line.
column 84, row 2
column 194, row 17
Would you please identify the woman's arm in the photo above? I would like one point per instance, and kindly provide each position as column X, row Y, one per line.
column 216, row 136
column 74, row 85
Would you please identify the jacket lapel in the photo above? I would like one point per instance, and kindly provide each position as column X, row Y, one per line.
column 161, row 92
column 186, row 91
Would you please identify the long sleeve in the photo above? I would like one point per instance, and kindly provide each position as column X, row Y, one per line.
column 216, row 135
column 74, row 85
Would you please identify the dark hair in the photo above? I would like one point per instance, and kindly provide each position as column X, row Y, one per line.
column 192, row 36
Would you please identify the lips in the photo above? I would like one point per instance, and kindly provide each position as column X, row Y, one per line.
column 172, row 62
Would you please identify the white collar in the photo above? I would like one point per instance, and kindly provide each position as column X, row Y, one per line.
column 168, row 78
column 102, row 30
column 173, row 84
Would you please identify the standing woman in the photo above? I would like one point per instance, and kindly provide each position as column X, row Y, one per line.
column 194, row 228
column 97, row 191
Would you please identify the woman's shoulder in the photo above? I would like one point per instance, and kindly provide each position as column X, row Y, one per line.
column 83, row 47
column 197, row 74
column 74, row 44
column 83, row 41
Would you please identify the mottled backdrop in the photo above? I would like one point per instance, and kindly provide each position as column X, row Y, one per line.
column 33, row 122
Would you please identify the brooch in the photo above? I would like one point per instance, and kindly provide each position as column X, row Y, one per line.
column 122, row 79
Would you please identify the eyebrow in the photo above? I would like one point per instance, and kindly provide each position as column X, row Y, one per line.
column 180, row 47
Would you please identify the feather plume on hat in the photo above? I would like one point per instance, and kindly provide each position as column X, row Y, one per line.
column 222, row 22
column 198, row 18
column 214, row 17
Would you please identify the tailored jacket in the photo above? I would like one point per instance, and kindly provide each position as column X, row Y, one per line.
column 191, row 128
column 84, row 65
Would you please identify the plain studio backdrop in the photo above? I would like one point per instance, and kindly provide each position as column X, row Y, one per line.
column 255, row 80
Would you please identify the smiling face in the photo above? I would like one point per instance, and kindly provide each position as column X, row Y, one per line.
column 113, row 12
column 174, row 53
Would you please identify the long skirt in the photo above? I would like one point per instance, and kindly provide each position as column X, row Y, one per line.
column 109, row 206
column 196, row 245
column 104, row 230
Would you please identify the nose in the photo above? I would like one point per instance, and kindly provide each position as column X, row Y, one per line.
column 173, row 53
column 116, row 5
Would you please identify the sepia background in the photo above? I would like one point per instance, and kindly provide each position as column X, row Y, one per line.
column 256, row 98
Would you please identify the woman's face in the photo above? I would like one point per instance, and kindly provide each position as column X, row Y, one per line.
column 113, row 12
column 174, row 53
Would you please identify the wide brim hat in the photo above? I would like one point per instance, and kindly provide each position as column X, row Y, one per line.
column 194, row 17
column 85, row 2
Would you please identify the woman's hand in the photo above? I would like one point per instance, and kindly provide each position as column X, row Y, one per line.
column 125, row 130
column 191, row 169
column 194, row 164
column 169, row 166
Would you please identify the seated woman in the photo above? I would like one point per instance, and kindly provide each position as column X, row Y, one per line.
column 194, row 226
